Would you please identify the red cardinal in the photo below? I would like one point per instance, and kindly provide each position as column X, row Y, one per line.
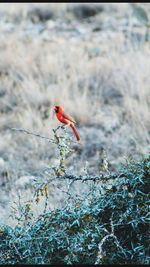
column 64, row 118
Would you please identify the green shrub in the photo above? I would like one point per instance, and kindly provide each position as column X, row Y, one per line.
column 110, row 228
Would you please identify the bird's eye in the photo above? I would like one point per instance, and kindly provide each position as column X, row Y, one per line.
column 56, row 109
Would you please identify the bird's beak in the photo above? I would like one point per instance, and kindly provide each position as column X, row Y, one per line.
column 54, row 108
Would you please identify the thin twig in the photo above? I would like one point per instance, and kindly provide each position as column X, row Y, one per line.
column 31, row 133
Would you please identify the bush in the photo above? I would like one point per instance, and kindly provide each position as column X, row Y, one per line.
column 107, row 226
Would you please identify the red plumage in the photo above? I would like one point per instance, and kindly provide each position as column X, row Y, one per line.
column 66, row 119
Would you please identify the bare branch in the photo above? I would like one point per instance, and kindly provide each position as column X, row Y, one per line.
column 31, row 133
column 100, row 245
column 83, row 178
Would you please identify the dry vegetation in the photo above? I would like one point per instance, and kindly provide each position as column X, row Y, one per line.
column 97, row 68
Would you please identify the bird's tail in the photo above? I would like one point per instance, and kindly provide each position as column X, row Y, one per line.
column 75, row 132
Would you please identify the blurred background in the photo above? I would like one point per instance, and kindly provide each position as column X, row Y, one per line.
column 94, row 60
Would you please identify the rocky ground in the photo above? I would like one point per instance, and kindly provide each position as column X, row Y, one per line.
column 94, row 60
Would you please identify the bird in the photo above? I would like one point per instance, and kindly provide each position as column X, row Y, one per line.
column 66, row 119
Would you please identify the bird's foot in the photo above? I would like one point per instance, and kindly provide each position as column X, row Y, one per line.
column 63, row 127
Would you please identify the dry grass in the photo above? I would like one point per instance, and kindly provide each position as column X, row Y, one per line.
column 38, row 71
column 50, row 74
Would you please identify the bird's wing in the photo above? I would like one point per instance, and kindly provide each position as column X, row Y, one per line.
column 67, row 117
